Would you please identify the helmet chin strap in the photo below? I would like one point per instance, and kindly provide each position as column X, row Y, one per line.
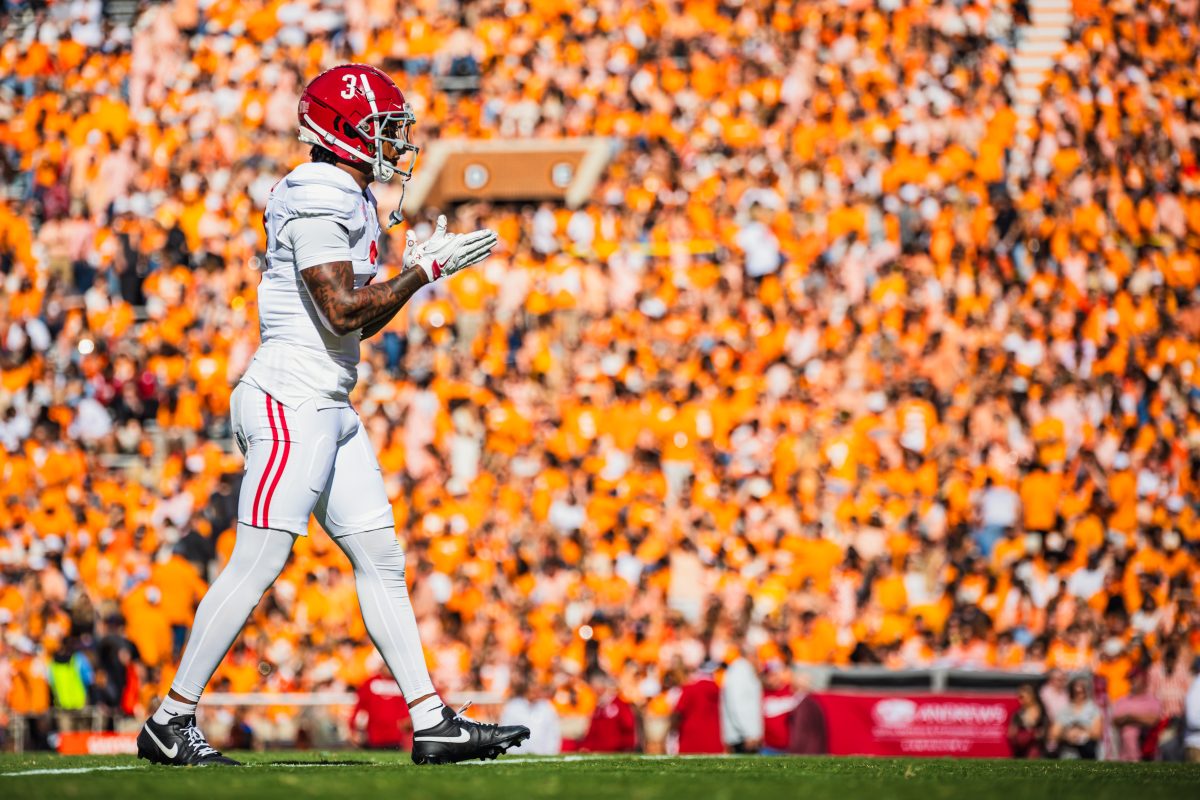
column 397, row 216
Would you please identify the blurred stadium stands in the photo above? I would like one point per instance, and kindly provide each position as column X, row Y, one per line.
column 839, row 364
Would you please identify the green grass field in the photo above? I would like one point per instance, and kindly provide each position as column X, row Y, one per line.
column 354, row 775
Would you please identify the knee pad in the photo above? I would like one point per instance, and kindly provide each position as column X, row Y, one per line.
column 379, row 549
column 260, row 554
column 391, row 561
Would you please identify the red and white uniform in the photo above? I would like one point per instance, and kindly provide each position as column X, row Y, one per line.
column 699, row 712
column 779, row 705
column 386, row 724
column 306, row 449
column 613, row 728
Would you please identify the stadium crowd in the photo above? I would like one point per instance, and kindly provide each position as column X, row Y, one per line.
column 835, row 367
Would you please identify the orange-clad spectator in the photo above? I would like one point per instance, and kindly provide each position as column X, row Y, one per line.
column 148, row 625
column 181, row 588
column 1071, row 652
column 1041, row 492
column 1122, row 494
column 815, row 642
column 29, row 690
column 877, row 386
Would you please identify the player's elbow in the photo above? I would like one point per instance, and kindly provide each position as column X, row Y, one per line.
column 338, row 319
column 340, row 327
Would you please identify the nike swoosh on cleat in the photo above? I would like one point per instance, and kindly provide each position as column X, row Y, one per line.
column 462, row 737
column 171, row 753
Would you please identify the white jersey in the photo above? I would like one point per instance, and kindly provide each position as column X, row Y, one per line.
column 316, row 215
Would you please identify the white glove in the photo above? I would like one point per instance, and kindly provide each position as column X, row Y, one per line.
column 446, row 253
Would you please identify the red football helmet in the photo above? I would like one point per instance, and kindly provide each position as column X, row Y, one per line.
column 352, row 111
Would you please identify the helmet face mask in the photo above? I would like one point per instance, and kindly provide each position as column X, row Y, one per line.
column 359, row 114
column 391, row 129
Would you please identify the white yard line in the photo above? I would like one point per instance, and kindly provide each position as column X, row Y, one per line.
column 69, row 771
column 533, row 760
column 518, row 759
column 317, row 764
column 568, row 758
column 85, row 770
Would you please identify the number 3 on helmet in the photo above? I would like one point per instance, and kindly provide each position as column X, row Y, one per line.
column 353, row 111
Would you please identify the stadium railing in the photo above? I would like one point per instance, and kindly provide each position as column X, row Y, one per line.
column 934, row 679
column 329, row 698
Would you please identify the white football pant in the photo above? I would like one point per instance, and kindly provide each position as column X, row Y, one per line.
column 309, row 460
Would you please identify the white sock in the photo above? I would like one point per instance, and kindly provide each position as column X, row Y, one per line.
column 427, row 713
column 172, row 708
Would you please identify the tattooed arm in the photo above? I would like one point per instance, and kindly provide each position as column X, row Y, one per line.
column 348, row 309
column 331, row 284
column 372, row 328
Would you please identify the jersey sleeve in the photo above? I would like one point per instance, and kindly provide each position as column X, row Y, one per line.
column 319, row 240
column 321, row 213
column 312, row 199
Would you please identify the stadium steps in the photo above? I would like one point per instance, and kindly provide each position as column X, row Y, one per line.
column 16, row 22
column 1038, row 47
column 122, row 12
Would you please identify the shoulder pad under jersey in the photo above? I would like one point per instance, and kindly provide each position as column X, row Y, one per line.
column 322, row 190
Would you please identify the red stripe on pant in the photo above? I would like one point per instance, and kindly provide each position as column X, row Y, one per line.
column 262, row 482
column 287, row 448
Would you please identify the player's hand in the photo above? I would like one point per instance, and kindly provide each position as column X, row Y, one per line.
column 444, row 253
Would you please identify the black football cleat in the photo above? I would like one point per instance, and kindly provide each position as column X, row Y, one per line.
column 457, row 738
column 179, row 743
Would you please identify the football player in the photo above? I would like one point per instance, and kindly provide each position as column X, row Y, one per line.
column 306, row 450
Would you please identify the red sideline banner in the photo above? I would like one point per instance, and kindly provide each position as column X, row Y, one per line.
column 97, row 744
column 974, row 726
